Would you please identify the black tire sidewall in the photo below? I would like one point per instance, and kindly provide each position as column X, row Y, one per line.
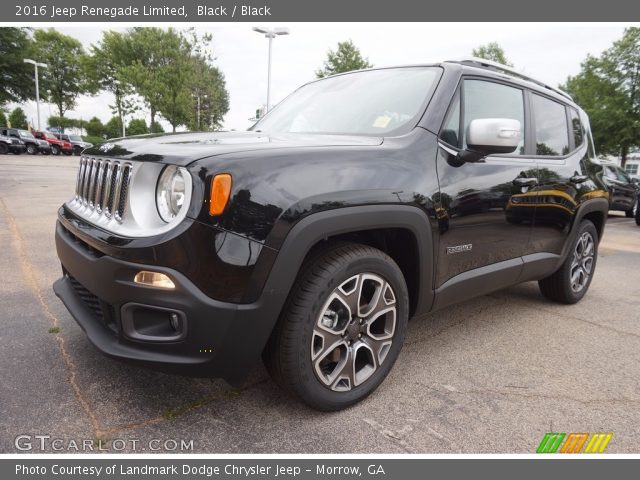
column 4, row 149
column 312, row 390
column 55, row 150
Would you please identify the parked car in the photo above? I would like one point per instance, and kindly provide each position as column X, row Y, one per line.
column 13, row 145
column 32, row 144
column 76, row 140
column 312, row 238
column 623, row 190
column 56, row 144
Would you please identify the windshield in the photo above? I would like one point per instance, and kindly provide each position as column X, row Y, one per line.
column 75, row 138
column 25, row 134
column 373, row 102
column 49, row 135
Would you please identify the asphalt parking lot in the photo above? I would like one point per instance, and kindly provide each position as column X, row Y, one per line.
column 491, row 375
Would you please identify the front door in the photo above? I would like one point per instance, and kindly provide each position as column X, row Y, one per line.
column 479, row 236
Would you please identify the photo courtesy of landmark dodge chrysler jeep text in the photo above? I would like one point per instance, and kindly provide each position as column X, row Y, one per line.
column 360, row 201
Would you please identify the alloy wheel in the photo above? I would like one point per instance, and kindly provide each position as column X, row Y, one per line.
column 582, row 262
column 354, row 332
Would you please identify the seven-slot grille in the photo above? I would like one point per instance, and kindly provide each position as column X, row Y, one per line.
column 103, row 186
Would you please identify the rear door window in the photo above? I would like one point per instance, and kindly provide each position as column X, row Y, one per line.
column 551, row 130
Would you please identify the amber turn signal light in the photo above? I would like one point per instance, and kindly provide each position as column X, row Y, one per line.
column 220, row 191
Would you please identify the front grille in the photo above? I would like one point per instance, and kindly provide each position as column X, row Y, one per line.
column 104, row 312
column 102, row 186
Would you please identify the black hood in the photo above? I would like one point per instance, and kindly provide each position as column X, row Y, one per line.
column 184, row 148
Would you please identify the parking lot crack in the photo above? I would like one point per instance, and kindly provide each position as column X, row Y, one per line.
column 30, row 277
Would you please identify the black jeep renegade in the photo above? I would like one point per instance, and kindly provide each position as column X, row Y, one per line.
column 360, row 201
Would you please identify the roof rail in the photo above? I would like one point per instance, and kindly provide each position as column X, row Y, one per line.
column 482, row 63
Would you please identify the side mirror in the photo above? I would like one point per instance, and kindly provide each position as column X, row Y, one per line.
column 486, row 136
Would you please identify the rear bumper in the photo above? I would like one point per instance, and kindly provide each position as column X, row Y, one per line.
column 215, row 339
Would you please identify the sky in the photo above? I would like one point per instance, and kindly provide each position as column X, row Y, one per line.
column 547, row 51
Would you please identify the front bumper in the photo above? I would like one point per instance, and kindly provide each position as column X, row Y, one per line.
column 216, row 339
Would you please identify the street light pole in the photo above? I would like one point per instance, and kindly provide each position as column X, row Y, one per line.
column 270, row 34
column 36, row 65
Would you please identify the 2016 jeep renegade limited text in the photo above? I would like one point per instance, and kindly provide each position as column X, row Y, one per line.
column 360, row 201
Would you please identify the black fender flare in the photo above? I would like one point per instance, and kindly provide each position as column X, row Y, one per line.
column 600, row 205
column 322, row 225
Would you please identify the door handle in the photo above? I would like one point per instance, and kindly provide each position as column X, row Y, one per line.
column 579, row 178
column 525, row 182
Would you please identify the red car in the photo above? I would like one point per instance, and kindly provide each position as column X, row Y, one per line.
column 57, row 145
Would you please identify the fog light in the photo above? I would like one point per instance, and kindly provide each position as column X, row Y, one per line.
column 154, row 279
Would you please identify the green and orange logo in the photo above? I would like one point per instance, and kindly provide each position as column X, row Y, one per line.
column 573, row 443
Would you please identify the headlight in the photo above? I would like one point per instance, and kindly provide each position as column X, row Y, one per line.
column 170, row 193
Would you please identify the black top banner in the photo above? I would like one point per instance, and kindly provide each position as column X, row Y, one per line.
column 30, row 11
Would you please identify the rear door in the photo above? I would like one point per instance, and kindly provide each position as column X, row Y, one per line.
column 560, row 154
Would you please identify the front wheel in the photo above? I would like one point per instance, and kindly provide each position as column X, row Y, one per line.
column 571, row 282
column 4, row 148
column 342, row 328
column 32, row 149
column 55, row 150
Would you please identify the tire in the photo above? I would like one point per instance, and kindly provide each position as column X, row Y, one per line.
column 32, row 149
column 570, row 283
column 4, row 148
column 363, row 347
column 55, row 150
column 632, row 213
column 638, row 212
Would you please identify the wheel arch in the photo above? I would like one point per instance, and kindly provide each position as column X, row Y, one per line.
column 374, row 225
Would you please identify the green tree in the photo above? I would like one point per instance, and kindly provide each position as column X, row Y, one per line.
column 65, row 122
column 160, row 72
column 607, row 89
column 137, row 126
column 94, row 127
column 105, row 67
column 18, row 119
column 493, row 52
column 206, row 84
column 210, row 97
column 113, row 128
column 65, row 74
column 3, row 119
column 156, row 128
column 345, row 58
column 16, row 77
